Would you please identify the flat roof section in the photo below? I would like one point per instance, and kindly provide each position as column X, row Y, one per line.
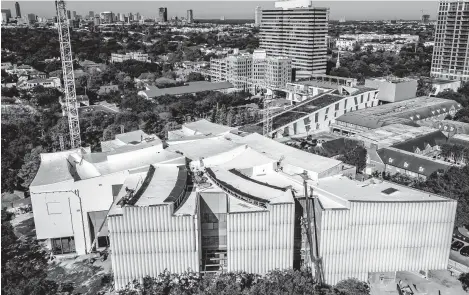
column 374, row 190
column 208, row 128
column 135, row 137
column 295, row 157
column 203, row 148
column 394, row 133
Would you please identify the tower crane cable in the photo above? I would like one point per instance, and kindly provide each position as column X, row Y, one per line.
column 68, row 76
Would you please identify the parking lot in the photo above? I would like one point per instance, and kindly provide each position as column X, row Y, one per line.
column 460, row 235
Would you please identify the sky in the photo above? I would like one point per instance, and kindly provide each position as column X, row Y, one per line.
column 350, row 10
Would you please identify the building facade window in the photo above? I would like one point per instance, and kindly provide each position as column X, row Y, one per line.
column 64, row 245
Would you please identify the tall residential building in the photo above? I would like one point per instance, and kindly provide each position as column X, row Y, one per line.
column 107, row 17
column 6, row 14
column 91, row 14
column 425, row 18
column 31, row 18
column 122, row 17
column 252, row 72
column 190, row 16
column 138, row 56
column 69, row 15
column 297, row 30
column 451, row 51
column 257, row 16
column 131, row 17
column 163, row 14
column 97, row 20
column 18, row 10
column 74, row 14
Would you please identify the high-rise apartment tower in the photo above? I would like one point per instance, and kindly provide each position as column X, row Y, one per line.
column 451, row 51
column 190, row 16
column 257, row 16
column 163, row 14
column 297, row 30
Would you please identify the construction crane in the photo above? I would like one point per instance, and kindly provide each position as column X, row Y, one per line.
column 68, row 76
column 267, row 117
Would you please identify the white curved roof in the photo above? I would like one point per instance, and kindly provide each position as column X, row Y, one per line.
column 54, row 168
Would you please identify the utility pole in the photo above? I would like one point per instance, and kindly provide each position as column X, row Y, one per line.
column 68, row 76
column 61, row 142
column 308, row 220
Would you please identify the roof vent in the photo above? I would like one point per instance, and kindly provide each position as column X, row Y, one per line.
column 389, row 191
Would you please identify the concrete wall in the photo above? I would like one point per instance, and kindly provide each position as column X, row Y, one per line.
column 385, row 237
column 393, row 92
column 406, row 90
column 387, row 91
column 57, row 210
column 453, row 85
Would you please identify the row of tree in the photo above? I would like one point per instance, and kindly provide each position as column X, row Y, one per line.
column 277, row 282
column 361, row 65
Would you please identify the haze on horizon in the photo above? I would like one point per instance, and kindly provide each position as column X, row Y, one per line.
column 350, row 10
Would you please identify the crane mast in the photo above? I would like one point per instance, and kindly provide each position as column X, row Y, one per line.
column 68, row 76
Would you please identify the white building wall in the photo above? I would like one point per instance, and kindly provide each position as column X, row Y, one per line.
column 385, row 237
column 261, row 241
column 146, row 241
column 57, row 209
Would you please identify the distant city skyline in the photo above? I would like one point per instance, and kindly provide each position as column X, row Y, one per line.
column 350, row 10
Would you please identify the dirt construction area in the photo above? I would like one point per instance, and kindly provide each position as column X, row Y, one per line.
column 86, row 275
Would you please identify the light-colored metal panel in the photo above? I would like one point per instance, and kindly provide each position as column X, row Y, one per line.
column 373, row 237
column 147, row 240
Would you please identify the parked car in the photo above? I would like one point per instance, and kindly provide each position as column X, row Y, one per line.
column 457, row 245
column 464, row 251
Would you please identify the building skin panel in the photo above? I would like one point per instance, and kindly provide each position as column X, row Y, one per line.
column 146, row 241
column 385, row 237
column 261, row 241
column 346, row 104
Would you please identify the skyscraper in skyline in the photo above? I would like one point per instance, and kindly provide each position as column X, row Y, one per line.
column 296, row 30
column 91, row 14
column 425, row 18
column 450, row 58
column 107, row 17
column 18, row 10
column 190, row 16
column 257, row 16
column 163, row 14
column 31, row 18
column 69, row 15
column 74, row 14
